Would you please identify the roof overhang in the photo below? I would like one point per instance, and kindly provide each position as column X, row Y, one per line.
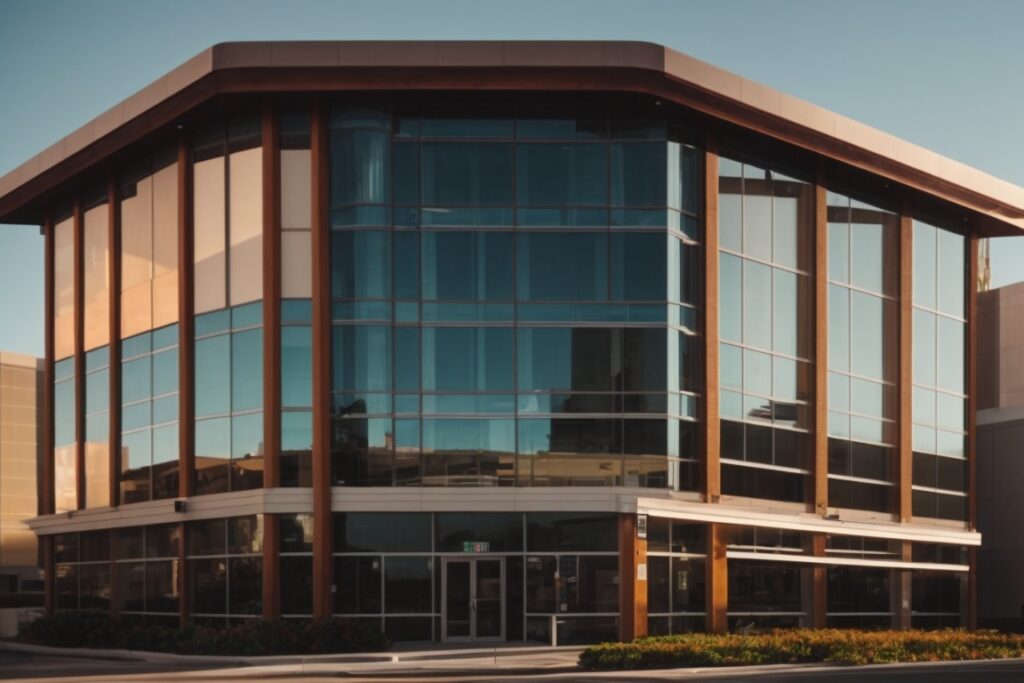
column 267, row 67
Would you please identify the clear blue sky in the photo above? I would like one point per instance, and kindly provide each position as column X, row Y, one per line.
column 948, row 75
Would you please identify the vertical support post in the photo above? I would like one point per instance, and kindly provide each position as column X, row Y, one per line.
column 972, row 426
column 45, row 488
column 904, row 450
column 820, row 352
column 717, row 597
column 322, row 546
column 632, row 580
column 271, row 353
column 186, row 358
column 114, row 305
column 819, row 585
column 711, row 482
column 79, row 280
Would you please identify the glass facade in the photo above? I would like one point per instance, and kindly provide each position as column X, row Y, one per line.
column 765, row 232
column 149, row 416
column 515, row 294
column 229, row 400
column 862, row 333
column 514, row 298
column 940, row 384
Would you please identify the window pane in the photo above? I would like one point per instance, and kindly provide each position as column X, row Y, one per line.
column 245, row 212
column 924, row 264
column 730, row 298
column 562, row 266
column 466, row 266
column 212, row 375
column 467, row 174
column 757, row 304
column 296, row 366
column 950, row 354
column 867, row 321
column 407, row 583
column 388, row 532
column 565, row 358
column 639, row 266
column 952, row 266
column 639, row 174
column 246, row 370
column 866, row 246
column 924, row 347
column 361, row 358
column 561, row 175
column 360, row 265
column 467, row 359
column 359, row 167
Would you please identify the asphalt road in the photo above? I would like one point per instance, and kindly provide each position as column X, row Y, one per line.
column 557, row 667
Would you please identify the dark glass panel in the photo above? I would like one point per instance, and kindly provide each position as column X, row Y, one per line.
column 561, row 175
column 131, row 587
column 208, row 537
column 503, row 531
column 688, row 580
column 212, row 455
column 296, row 366
column 247, row 452
column 932, row 592
column 161, row 586
column 467, row 266
column 246, row 585
column 565, row 358
column 467, row 359
column 569, row 531
column 296, row 448
column 858, row 589
column 212, row 375
column 860, row 495
column 407, row 582
column 388, row 532
column 639, row 267
column 361, row 452
column 639, row 174
column 359, row 167
column 466, row 174
column 762, row 483
column 297, row 585
column 246, row 370
column 361, row 265
column 94, row 586
column 658, row 584
column 468, row 451
column 764, row 587
column 245, row 534
column 163, row 540
column 562, row 266
column 208, row 586
column 359, row 585
column 361, row 358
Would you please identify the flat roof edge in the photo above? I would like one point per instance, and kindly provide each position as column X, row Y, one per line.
column 229, row 56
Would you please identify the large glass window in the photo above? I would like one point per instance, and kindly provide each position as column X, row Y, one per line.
column 96, row 269
column 147, row 567
column 296, row 392
column 225, row 564
column 862, row 310
column 765, row 230
column 64, row 287
column 149, row 244
column 227, row 191
column 453, row 227
column 229, row 400
column 65, row 463
column 82, row 570
column 149, row 416
column 296, row 206
column 97, row 428
column 939, row 397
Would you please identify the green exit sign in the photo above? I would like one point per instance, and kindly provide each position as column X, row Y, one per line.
column 476, row 546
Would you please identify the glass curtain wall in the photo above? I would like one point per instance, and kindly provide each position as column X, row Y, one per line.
column 97, row 427
column 863, row 265
column 149, row 244
column 676, row 576
column 64, row 453
column 514, row 297
column 765, row 229
column 225, row 565
column 940, row 389
column 147, row 571
column 229, row 400
column 296, row 304
column 82, row 571
column 149, row 416
column 296, row 570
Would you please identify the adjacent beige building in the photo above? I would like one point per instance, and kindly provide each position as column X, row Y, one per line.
column 20, row 378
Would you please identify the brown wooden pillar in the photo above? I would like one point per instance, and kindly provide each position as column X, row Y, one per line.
column 323, row 579
column 186, row 360
column 271, row 353
column 79, row 280
column 45, row 485
column 819, row 584
column 820, row 353
column 717, row 582
column 711, row 483
column 972, row 427
column 114, row 303
column 904, row 449
column 632, row 580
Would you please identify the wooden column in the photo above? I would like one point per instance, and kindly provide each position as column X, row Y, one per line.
column 45, row 487
column 186, row 359
column 904, row 448
column 820, row 351
column 79, row 294
column 717, row 580
column 323, row 578
column 114, row 303
column 972, row 426
column 819, row 587
column 632, row 580
column 271, row 353
column 711, row 483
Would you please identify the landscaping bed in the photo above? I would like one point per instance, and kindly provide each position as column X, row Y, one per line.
column 799, row 646
column 250, row 638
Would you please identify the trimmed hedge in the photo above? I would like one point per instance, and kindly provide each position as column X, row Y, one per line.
column 794, row 646
column 250, row 638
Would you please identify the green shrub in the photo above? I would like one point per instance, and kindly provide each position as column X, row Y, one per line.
column 784, row 646
column 252, row 637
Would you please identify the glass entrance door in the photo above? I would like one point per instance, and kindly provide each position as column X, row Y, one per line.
column 472, row 597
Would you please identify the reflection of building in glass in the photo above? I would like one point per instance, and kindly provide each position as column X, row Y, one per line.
column 400, row 352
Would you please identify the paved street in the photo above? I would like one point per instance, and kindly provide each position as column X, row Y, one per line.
column 557, row 666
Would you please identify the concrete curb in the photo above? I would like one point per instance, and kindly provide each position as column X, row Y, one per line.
column 271, row 660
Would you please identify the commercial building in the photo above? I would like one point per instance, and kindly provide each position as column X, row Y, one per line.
column 1000, row 471
column 20, row 392
column 474, row 341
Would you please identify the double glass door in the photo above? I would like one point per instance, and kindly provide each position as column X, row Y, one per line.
column 473, row 590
